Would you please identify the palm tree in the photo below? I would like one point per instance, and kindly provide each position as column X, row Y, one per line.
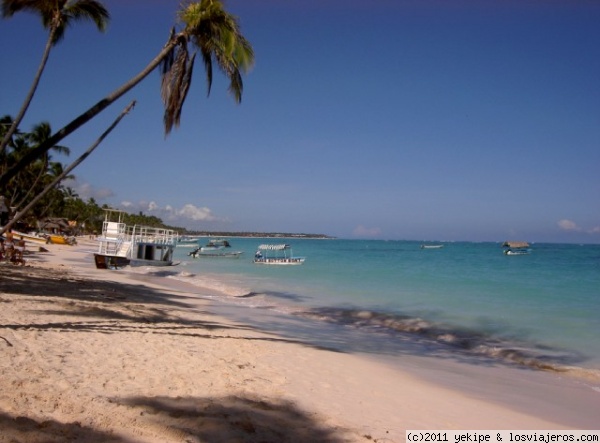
column 217, row 36
column 57, row 174
column 56, row 16
column 32, row 179
column 208, row 27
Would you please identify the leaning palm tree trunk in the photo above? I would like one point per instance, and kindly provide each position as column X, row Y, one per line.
column 90, row 113
column 33, row 186
column 68, row 169
column 209, row 27
column 32, row 89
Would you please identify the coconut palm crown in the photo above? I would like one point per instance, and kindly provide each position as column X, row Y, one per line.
column 206, row 26
column 216, row 35
column 56, row 16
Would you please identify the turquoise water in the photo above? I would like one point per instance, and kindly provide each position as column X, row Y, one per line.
column 537, row 309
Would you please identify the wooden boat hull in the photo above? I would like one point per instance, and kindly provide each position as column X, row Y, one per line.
column 60, row 240
column 29, row 237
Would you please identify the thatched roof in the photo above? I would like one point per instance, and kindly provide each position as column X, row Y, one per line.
column 515, row 244
column 55, row 224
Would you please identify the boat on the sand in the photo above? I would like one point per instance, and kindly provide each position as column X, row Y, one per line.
column 137, row 245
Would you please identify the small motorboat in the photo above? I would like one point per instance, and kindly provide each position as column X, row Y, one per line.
column 516, row 248
column 215, row 248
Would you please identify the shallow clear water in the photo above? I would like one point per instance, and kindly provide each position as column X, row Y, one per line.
column 544, row 306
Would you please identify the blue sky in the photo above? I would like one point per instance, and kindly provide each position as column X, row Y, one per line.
column 415, row 119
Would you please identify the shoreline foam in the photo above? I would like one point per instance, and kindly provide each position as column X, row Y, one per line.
column 502, row 349
column 92, row 355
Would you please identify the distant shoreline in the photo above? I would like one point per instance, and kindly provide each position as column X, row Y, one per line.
column 258, row 235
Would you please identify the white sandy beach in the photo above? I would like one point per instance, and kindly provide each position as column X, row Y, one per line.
column 98, row 356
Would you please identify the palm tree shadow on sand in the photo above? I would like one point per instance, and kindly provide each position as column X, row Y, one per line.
column 233, row 418
column 25, row 429
column 191, row 419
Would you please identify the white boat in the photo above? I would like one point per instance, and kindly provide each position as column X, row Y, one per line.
column 215, row 248
column 280, row 254
column 516, row 248
column 518, row 251
column 187, row 242
column 432, row 246
column 121, row 245
column 32, row 237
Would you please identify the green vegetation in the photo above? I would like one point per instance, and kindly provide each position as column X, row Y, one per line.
column 63, row 202
column 33, row 179
column 205, row 26
column 56, row 17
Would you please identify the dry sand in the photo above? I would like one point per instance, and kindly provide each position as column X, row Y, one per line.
column 92, row 355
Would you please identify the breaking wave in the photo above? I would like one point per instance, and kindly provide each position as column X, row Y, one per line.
column 461, row 340
column 471, row 342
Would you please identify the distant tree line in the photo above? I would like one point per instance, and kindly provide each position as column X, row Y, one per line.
column 60, row 201
column 256, row 234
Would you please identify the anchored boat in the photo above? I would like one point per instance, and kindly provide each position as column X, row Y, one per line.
column 516, row 248
column 276, row 255
column 187, row 242
column 215, row 248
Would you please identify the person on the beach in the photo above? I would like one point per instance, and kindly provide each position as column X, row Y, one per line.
column 19, row 250
column 9, row 246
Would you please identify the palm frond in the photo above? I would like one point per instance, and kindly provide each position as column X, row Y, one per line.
column 44, row 8
column 167, row 61
column 60, row 14
column 173, row 85
column 79, row 10
column 217, row 35
column 207, row 59
column 236, row 86
column 185, row 87
column 88, row 10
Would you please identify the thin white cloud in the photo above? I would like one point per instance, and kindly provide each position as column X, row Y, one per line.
column 568, row 225
column 194, row 213
column 188, row 214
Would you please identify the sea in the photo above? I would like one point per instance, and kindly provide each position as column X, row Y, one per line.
column 539, row 310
